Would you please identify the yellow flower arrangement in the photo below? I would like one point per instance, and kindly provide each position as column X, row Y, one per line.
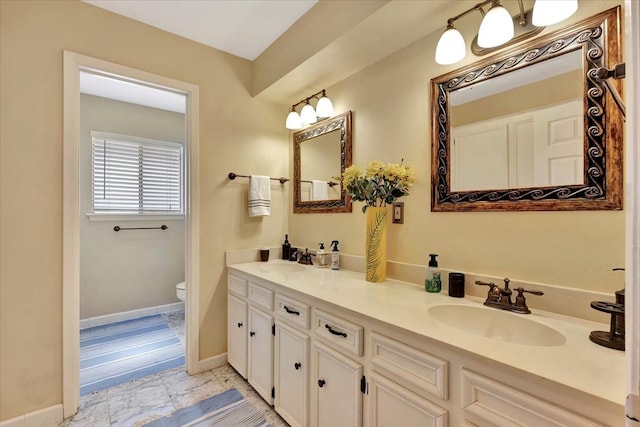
column 378, row 185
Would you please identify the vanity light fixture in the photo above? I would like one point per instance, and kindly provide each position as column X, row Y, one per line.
column 549, row 12
column 499, row 29
column 309, row 115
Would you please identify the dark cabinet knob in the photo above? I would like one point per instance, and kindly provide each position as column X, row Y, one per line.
column 321, row 383
column 251, row 333
column 297, row 365
column 240, row 325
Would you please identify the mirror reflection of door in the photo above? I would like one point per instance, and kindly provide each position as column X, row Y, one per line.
column 319, row 164
column 522, row 129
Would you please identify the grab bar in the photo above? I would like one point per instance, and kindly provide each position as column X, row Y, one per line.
column 162, row 227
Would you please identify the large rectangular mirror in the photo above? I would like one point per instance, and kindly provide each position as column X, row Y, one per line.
column 320, row 154
column 531, row 128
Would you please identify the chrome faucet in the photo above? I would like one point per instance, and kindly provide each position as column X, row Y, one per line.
column 498, row 297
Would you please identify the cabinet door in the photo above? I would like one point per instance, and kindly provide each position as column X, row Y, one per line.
column 260, row 374
column 292, row 375
column 392, row 404
column 335, row 389
column 237, row 334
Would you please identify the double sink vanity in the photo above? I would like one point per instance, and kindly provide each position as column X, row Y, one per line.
column 327, row 348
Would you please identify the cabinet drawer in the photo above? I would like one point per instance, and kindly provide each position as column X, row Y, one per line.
column 292, row 311
column 261, row 296
column 338, row 331
column 427, row 374
column 391, row 403
column 496, row 403
column 237, row 285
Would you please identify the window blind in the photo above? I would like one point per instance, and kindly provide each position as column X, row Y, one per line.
column 136, row 176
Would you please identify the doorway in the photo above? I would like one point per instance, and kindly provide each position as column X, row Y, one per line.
column 74, row 66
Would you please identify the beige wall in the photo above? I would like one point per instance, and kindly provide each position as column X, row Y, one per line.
column 557, row 89
column 33, row 35
column 126, row 270
column 391, row 121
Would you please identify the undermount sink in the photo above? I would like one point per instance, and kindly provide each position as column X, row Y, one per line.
column 498, row 325
column 280, row 268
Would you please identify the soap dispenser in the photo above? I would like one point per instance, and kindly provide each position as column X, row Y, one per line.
column 286, row 248
column 432, row 282
column 335, row 256
column 321, row 256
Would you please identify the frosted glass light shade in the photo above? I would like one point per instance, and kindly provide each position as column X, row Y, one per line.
column 324, row 108
column 496, row 28
column 549, row 12
column 293, row 121
column 450, row 48
column 308, row 114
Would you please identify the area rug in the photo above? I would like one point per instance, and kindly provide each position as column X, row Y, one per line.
column 117, row 353
column 227, row 409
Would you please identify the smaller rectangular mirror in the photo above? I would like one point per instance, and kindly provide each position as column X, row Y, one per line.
column 320, row 153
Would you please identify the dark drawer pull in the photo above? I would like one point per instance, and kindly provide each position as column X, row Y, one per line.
column 251, row 333
column 240, row 325
column 297, row 365
column 321, row 383
column 288, row 310
column 334, row 332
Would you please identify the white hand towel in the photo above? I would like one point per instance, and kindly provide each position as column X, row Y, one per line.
column 319, row 190
column 259, row 195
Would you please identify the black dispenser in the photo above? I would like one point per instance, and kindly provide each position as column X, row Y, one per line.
column 614, row 338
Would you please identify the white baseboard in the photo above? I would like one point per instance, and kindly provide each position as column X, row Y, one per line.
column 133, row 314
column 46, row 417
column 209, row 363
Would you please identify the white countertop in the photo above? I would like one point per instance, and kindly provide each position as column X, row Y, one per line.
column 578, row 363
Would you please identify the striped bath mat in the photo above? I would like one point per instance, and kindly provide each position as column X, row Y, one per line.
column 228, row 409
column 120, row 352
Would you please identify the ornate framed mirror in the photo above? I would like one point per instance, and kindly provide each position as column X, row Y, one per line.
column 320, row 153
column 531, row 128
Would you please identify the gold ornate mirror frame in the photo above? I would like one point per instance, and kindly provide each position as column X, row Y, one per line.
column 599, row 39
column 342, row 124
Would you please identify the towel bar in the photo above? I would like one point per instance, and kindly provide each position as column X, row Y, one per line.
column 233, row 176
column 329, row 183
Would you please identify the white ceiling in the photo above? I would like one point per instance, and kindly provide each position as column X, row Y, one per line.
column 244, row 28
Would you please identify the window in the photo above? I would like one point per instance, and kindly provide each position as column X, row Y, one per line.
column 136, row 176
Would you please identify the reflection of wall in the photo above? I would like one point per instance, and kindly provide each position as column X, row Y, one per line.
column 557, row 89
column 126, row 270
column 320, row 160
column 572, row 249
column 33, row 35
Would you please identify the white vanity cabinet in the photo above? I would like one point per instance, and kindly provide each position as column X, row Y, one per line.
column 237, row 326
column 291, row 361
column 291, row 376
column 335, row 365
column 237, row 333
column 406, row 381
column 260, row 343
column 335, row 389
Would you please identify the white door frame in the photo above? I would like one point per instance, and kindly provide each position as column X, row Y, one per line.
column 632, row 164
column 73, row 64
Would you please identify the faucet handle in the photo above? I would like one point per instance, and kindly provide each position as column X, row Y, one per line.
column 494, row 291
column 521, row 303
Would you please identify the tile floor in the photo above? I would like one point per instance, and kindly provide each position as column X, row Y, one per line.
column 158, row 395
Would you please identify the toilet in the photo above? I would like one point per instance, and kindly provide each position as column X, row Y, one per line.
column 180, row 291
